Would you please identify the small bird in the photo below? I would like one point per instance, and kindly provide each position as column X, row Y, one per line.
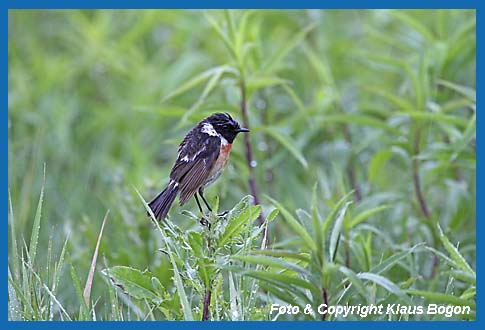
column 202, row 156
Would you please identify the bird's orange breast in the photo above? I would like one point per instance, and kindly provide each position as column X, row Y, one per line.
column 220, row 163
column 223, row 155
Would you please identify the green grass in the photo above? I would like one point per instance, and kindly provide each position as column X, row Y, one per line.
column 362, row 132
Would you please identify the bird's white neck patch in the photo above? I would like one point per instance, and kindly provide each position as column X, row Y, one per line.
column 223, row 140
column 207, row 128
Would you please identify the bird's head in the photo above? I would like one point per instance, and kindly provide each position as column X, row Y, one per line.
column 226, row 126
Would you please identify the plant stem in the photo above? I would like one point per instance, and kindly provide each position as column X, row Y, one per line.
column 351, row 166
column 353, row 182
column 249, row 157
column 207, row 300
column 416, row 180
column 325, row 301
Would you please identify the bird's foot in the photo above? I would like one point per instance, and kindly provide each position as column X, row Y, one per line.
column 205, row 222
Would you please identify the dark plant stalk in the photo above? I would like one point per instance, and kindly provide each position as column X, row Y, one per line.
column 249, row 157
column 207, row 301
column 208, row 289
column 420, row 197
column 325, row 301
column 353, row 183
column 417, row 183
column 351, row 167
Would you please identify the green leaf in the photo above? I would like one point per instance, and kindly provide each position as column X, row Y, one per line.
column 84, row 310
column 296, row 226
column 335, row 234
column 414, row 24
column 134, row 282
column 465, row 139
column 466, row 91
column 238, row 224
column 454, row 253
column 437, row 117
column 286, row 48
column 285, row 254
column 200, row 78
column 272, row 215
column 211, row 84
column 443, row 298
column 377, row 163
column 256, row 82
column 241, row 31
column 366, row 214
column 400, row 103
column 316, row 221
column 462, row 276
column 273, row 262
column 385, row 283
column 362, row 120
column 327, row 223
column 294, row 97
column 236, row 314
column 355, row 280
column 285, row 295
column 392, row 260
column 222, row 35
column 286, row 142
column 284, row 281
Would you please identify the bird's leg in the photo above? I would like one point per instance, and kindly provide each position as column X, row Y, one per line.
column 201, row 193
column 203, row 220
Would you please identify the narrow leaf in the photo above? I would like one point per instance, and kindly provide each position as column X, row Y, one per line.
column 296, row 226
column 286, row 142
column 89, row 280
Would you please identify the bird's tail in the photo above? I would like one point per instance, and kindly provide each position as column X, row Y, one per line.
column 161, row 204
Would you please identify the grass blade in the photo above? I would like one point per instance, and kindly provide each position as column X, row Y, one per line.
column 13, row 233
column 34, row 239
column 89, row 280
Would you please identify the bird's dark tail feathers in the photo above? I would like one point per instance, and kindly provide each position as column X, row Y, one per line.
column 161, row 204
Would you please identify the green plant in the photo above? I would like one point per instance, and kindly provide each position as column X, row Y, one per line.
column 198, row 259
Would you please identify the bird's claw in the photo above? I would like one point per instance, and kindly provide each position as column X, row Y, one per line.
column 205, row 223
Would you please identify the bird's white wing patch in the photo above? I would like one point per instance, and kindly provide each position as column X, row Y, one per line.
column 207, row 128
column 186, row 158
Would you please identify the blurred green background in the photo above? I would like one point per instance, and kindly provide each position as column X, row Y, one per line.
column 377, row 101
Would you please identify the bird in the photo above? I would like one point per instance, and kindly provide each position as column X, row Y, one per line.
column 202, row 157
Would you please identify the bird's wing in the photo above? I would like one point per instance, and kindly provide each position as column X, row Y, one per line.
column 197, row 155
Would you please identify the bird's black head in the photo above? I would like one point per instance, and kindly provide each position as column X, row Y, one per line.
column 226, row 126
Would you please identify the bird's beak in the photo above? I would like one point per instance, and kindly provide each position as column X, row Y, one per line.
column 242, row 130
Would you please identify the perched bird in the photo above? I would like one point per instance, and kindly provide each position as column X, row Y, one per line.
column 202, row 156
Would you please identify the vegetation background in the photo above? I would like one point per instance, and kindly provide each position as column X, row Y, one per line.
column 363, row 157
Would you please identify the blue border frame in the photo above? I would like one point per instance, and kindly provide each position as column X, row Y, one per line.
column 238, row 4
